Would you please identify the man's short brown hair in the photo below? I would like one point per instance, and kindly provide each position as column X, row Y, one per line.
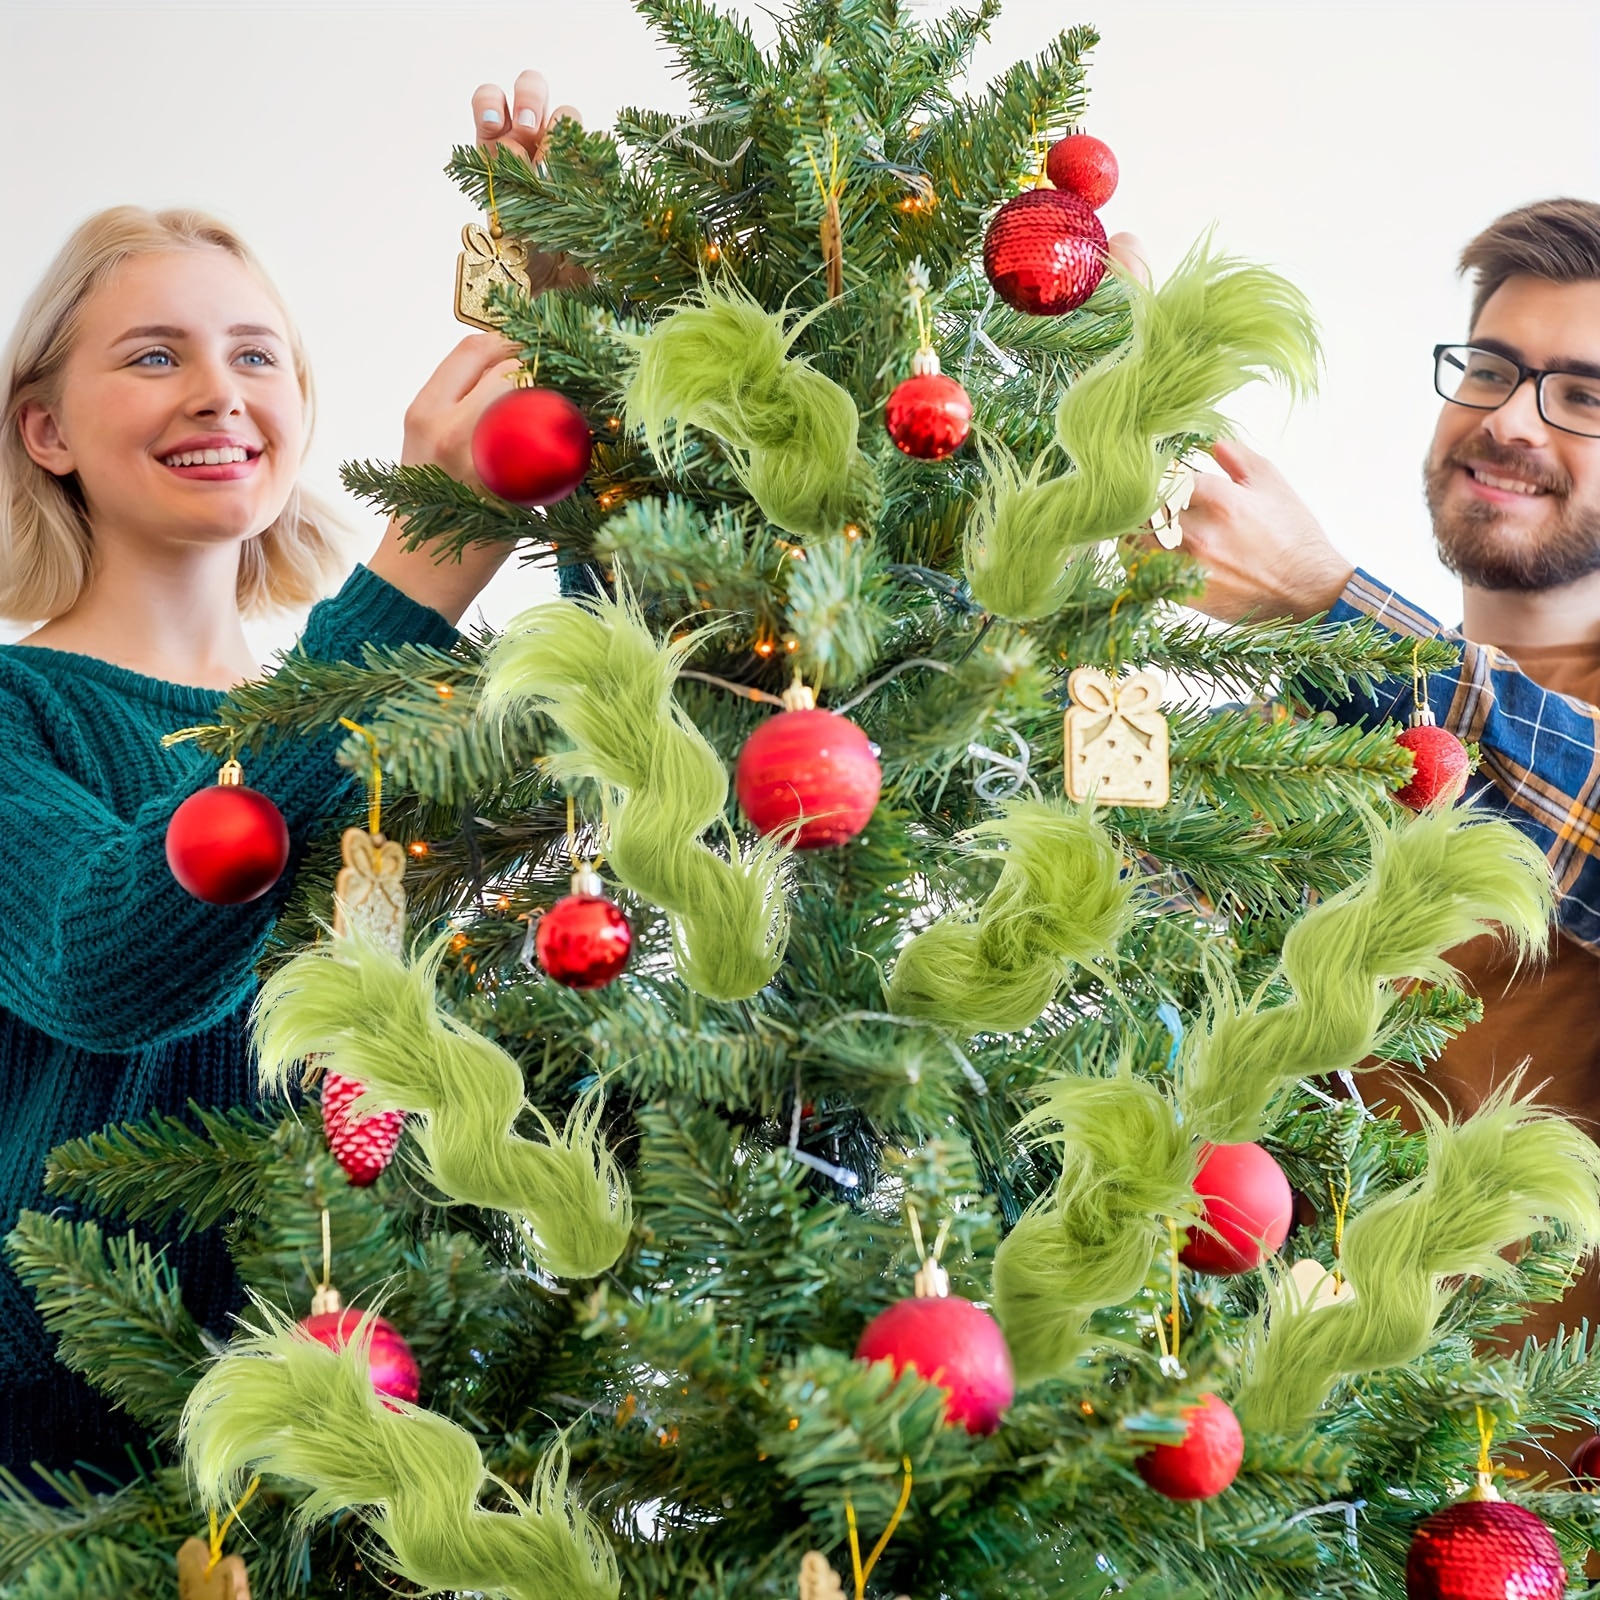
column 1557, row 240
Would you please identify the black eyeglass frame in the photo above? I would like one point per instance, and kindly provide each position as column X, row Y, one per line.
column 1523, row 374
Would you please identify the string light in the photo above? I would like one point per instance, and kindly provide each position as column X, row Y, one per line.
column 417, row 848
column 445, row 690
column 851, row 531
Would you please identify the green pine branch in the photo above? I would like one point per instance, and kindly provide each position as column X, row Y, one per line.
column 438, row 510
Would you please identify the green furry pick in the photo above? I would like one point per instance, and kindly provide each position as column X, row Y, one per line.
column 371, row 1016
column 1511, row 1170
column 1437, row 880
column 1215, row 325
column 280, row 1403
column 1060, row 899
column 722, row 364
column 593, row 667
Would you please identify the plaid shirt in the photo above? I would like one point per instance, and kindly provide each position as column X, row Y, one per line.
column 1540, row 766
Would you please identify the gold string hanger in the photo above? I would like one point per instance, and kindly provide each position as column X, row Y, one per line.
column 862, row 1570
column 374, row 778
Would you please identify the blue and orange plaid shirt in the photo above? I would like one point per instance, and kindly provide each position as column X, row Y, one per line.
column 1540, row 751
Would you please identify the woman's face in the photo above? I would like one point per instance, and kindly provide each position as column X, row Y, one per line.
column 179, row 411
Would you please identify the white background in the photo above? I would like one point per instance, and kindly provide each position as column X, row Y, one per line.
column 1355, row 146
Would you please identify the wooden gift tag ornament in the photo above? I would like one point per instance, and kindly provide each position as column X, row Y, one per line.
column 1177, row 490
column 1116, row 739
column 370, row 891
column 487, row 258
column 201, row 1579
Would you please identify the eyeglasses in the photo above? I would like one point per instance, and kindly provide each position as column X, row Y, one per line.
column 1468, row 376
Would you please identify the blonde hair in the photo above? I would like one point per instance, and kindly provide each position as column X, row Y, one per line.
column 46, row 544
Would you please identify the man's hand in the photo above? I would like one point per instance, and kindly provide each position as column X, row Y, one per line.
column 1264, row 554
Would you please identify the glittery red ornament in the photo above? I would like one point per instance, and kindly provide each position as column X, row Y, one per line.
column 950, row 1342
column 394, row 1369
column 363, row 1146
column 1084, row 166
column 1207, row 1460
column 928, row 415
column 811, row 764
column 1438, row 763
column 1484, row 1549
column 1248, row 1208
column 583, row 940
column 1045, row 252
column 532, row 447
column 227, row 844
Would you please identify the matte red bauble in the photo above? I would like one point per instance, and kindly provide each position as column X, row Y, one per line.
column 532, row 447
column 1248, row 1208
column 950, row 1342
column 227, row 844
column 1084, row 166
column 1484, row 1549
column 394, row 1369
column 1438, row 764
column 809, row 764
column 928, row 415
column 1045, row 252
column 1207, row 1460
column 1585, row 1462
column 583, row 940
column 363, row 1146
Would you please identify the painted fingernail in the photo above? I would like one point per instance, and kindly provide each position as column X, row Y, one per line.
column 527, row 119
column 489, row 117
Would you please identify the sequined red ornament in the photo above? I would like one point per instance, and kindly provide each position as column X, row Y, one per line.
column 1484, row 1548
column 928, row 415
column 227, row 844
column 811, row 765
column 1045, row 252
column 394, row 1369
column 532, row 447
column 1084, row 166
column 1248, row 1208
column 363, row 1146
column 583, row 940
column 1206, row 1461
column 1439, row 762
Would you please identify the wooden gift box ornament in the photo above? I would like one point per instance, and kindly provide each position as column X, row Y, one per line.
column 1116, row 739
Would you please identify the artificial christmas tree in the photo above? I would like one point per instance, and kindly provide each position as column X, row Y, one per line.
column 634, row 1233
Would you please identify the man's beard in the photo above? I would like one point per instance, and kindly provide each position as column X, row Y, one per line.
column 1474, row 542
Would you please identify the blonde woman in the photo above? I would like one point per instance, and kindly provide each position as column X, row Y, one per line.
column 157, row 404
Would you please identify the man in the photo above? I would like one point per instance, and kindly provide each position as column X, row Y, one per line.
column 1513, row 484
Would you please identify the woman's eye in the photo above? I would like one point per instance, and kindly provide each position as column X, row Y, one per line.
column 258, row 358
column 153, row 358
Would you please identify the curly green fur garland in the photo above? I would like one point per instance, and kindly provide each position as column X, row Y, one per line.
column 1511, row 1170
column 595, row 670
column 722, row 364
column 1061, row 899
column 1216, row 324
column 372, row 1017
column 278, row 1402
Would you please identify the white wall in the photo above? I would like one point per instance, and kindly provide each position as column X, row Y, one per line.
column 1355, row 146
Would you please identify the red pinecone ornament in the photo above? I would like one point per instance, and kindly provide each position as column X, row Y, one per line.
column 1045, row 252
column 1248, row 1209
column 1438, row 763
column 812, row 765
column 1484, row 1548
column 394, row 1369
column 583, row 940
column 227, row 844
column 1084, row 166
column 1207, row 1460
column 928, row 415
column 532, row 447
column 363, row 1146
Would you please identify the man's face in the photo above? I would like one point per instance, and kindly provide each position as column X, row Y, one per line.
column 1515, row 502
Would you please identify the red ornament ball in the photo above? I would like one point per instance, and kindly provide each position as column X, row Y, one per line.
column 812, row 765
column 394, row 1369
column 1585, row 1462
column 1045, row 252
column 532, row 447
column 227, row 844
column 583, row 941
column 1484, row 1550
column 1084, row 166
column 928, row 416
column 950, row 1342
column 1439, row 766
column 1207, row 1460
column 1248, row 1208
column 363, row 1146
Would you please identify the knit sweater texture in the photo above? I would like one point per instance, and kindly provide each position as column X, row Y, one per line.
column 121, row 995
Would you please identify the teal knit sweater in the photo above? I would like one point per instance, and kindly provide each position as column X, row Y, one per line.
column 121, row 994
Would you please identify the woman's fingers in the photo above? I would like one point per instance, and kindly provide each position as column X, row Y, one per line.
column 530, row 112
column 490, row 114
column 464, row 367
